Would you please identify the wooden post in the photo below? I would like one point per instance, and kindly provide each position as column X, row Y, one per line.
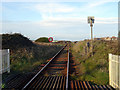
column 110, row 69
column 0, row 69
column 0, row 61
column 91, row 37
column 116, row 60
column 8, row 60
column 119, row 71
column 114, row 71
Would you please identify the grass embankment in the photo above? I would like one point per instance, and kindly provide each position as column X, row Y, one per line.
column 25, row 59
column 94, row 69
column 26, row 55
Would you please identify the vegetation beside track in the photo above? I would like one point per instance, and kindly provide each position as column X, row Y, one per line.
column 24, row 58
column 94, row 69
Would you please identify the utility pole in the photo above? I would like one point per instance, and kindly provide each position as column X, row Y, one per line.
column 91, row 21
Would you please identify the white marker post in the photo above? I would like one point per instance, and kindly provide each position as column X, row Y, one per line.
column 91, row 21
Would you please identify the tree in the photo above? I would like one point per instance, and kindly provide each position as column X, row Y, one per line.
column 42, row 39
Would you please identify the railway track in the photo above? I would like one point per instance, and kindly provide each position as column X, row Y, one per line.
column 55, row 75
column 85, row 85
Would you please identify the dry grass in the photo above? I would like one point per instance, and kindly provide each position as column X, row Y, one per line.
column 43, row 43
column 94, row 68
column 25, row 59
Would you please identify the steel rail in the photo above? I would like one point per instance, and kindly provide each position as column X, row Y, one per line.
column 42, row 69
column 67, row 71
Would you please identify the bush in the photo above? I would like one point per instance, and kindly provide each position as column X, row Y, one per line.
column 15, row 41
column 42, row 39
column 26, row 59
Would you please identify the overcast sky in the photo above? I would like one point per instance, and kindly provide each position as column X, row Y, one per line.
column 60, row 20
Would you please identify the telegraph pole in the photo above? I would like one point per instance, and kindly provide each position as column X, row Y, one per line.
column 91, row 38
column 91, row 21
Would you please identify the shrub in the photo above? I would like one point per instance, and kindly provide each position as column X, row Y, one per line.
column 15, row 41
column 26, row 59
column 94, row 68
column 42, row 39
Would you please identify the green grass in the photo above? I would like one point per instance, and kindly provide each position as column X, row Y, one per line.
column 25, row 59
column 3, row 85
column 25, row 56
column 94, row 68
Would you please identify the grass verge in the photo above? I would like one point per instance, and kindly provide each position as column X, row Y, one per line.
column 26, row 59
column 94, row 68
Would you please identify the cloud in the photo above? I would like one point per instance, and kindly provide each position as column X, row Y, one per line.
column 63, row 21
column 76, row 21
column 111, row 20
column 58, row 10
column 53, row 7
column 50, row 10
column 55, row 0
column 61, row 28
column 100, row 2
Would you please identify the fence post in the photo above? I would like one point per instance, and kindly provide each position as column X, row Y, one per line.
column 0, row 69
column 4, row 61
column 8, row 60
column 114, row 71
column 0, row 62
column 119, row 71
column 110, row 71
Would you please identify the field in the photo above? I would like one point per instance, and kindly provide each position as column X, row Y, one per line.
column 93, row 68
